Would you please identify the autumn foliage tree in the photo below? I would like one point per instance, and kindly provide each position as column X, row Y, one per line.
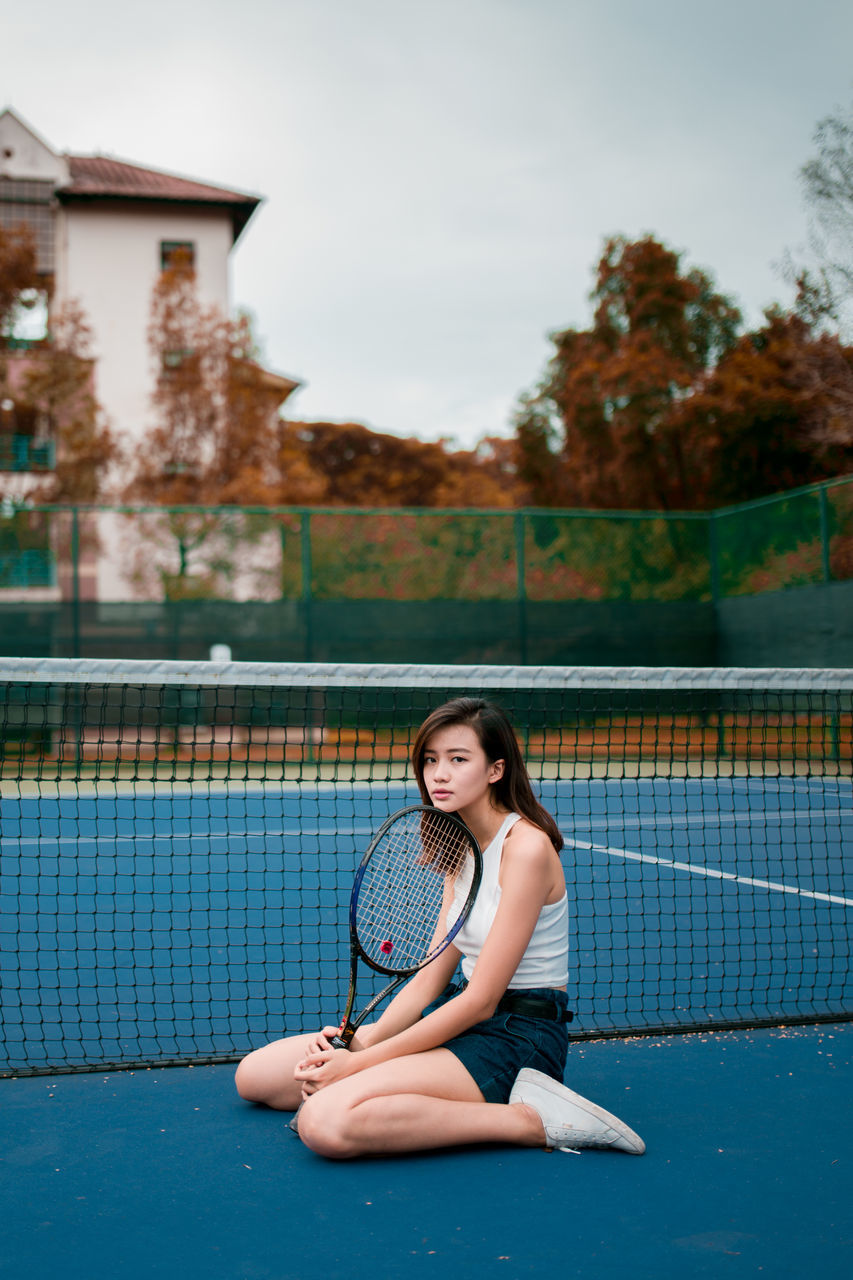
column 213, row 442
column 597, row 432
column 359, row 467
column 56, row 444
column 774, row 414
column 47, row 388
column 213, row 438
column 660, row 404
column 18, row 275
column 218, row 437
column 218, row 443
column 59, row 384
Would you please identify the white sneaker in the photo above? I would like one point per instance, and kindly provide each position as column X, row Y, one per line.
column 570, row 1121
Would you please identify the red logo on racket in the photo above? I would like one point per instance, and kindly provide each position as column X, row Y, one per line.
column 387, row 946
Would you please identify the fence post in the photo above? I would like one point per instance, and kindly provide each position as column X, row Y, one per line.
column 305, row 548
column 521, row 586
column 714, row 556
column 824, row 533
column 75, row 581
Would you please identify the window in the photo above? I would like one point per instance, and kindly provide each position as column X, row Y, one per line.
column 177, row 359
column 177, row 255
column 28, row 319
column 24, row 443
column 23, row 200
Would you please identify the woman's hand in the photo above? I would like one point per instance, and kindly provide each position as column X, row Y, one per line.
column 362, row 1039
column 322, row 1067
column 321, row 1041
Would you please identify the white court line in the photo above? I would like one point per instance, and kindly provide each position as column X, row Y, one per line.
column 140, row 837
column 626, row 854
column 769, row 817
column 711, row 872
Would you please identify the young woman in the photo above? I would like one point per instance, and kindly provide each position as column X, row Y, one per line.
column 481, row 1060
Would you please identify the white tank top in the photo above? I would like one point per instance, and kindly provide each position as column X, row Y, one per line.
column 545, row 963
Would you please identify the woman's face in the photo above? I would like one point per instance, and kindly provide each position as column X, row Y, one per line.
column 457, row 772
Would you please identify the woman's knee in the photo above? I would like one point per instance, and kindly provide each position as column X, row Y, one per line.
column 259, row 1078
column 266, row 1074
column 249, row 1080
column 324, row 1129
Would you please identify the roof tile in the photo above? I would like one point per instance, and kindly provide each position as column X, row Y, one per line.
column 93, row 176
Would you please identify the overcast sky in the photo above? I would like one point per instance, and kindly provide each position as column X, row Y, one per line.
column 438, row 176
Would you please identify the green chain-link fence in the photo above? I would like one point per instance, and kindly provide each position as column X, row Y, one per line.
column 531, row 586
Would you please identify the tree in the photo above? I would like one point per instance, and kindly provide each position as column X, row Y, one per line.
column 55, row 436
column 825, row 291
column 775, row 413
column 537, row 442
column 219, row 443
column 58, row 384
column 215, row 443
column 18, row 275
column 214, row 439
column 47, row 387
column 659, row 404
column 598, row 432
column 364, row 468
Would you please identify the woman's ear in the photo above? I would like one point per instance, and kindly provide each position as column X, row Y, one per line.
column 496, row 770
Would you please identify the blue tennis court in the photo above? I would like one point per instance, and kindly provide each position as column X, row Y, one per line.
column 177, row 850
column 194, row 924
column 748, row 1172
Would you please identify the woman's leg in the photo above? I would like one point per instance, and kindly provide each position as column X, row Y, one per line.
column 414, row 1103
column 266, row 1075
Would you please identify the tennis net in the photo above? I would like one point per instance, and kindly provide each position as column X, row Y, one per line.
column 177, row 844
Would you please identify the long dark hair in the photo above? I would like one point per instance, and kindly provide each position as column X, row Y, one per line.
column 513, row 790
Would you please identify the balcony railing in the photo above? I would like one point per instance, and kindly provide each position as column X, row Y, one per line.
column 23, row 453
column 33, row 568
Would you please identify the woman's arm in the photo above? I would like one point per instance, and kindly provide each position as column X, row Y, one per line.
column 408, row 1004
column 422, row 988
column 526, row 880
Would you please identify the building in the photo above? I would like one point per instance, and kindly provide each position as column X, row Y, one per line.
column 104, row 229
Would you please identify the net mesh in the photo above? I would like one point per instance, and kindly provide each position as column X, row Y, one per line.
column 178, row 845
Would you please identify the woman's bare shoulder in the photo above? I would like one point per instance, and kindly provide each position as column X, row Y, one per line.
column 527, row 841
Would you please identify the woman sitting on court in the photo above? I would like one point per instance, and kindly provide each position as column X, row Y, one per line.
column 480, row 1061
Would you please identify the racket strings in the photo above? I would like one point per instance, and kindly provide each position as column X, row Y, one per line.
column 402, row 889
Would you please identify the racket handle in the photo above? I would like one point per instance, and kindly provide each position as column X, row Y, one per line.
column 342, row 1039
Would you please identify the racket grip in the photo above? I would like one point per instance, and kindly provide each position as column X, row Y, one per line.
column 342, row 1039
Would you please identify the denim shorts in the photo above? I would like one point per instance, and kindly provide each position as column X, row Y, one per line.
column 493, row 1052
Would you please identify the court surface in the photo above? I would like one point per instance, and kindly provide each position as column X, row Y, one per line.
column 187, row 923
column 748, row 1173
column 163, row 925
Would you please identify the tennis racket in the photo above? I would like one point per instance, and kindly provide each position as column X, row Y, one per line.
column 395, row 910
